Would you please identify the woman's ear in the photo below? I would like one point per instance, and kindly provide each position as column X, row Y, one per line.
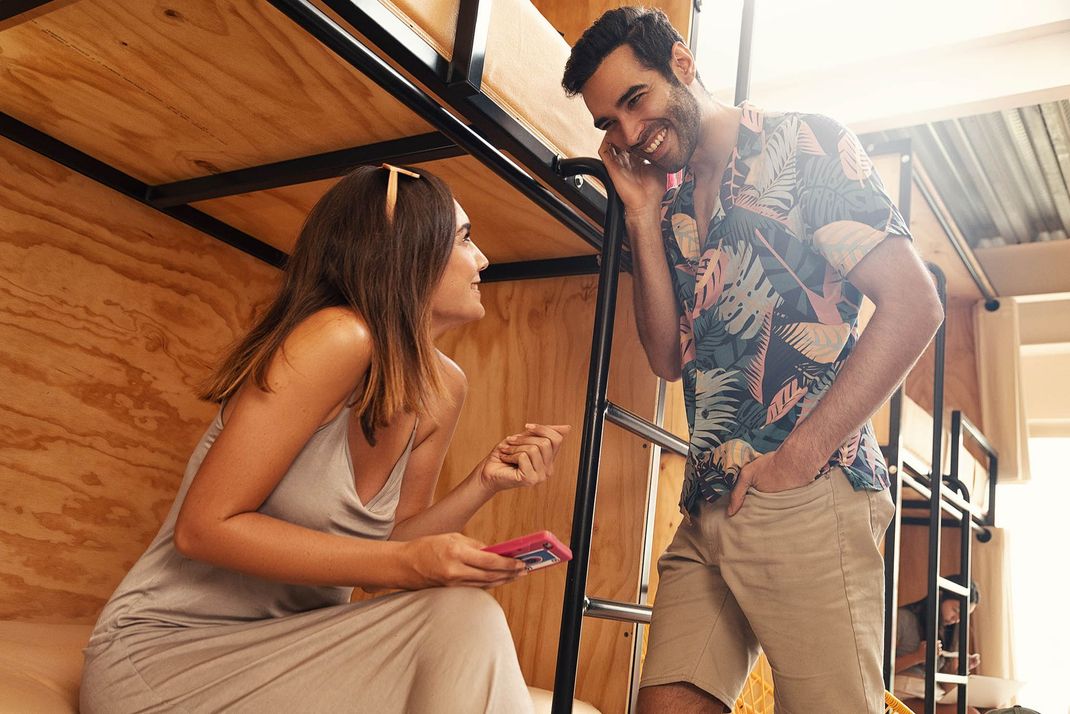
column 683, row 63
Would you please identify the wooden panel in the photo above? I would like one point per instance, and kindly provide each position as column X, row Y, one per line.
column 110, row 314
column 273, row 216
column 527, row 360
column 188, row 88
column 1028, row 269
column 914, row 557
column 961, row 388
column 506, row 225
column 572, row 17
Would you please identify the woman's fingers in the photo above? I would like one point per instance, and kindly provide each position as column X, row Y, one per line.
column 542, row 443
column 527, row 459
column 485, row 561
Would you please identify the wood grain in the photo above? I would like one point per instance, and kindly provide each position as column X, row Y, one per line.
column 184, row 88
column 110, row 314
column 506, row 225
column 527, row 360
column 572, row 17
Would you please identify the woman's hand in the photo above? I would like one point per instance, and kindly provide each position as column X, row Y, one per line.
column 453, row 559
column 639, row 185
column 524, row 459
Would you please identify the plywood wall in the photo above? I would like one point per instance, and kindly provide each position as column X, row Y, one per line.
column 572, row 17
column 527, row 360
column 110, row 314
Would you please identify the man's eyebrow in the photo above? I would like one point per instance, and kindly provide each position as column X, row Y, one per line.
column 601, row 121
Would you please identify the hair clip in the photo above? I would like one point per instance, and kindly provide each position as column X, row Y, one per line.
column 392, row 187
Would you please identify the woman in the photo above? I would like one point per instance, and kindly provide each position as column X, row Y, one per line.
column 316, row 477
column 910, row 642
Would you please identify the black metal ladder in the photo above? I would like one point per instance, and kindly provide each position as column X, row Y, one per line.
column 598, row 410
column 955, row 501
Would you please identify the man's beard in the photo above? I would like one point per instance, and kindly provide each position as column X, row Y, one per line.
column 686, row 120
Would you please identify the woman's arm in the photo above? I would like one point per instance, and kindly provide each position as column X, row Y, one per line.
column 316, row 370
column 524, row 459
column 910, row 659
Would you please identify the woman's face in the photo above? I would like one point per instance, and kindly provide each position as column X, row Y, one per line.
column 456, row 298
column 951, row 611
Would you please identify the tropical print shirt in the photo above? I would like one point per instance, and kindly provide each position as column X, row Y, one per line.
column 767, row 316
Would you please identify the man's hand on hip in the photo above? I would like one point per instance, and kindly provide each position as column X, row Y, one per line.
column 769, row 473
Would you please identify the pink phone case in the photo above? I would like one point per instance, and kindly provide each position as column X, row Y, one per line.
column 537, row 550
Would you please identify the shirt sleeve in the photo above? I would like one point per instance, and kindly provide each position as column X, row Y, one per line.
column 836, row 182
column 908, row 632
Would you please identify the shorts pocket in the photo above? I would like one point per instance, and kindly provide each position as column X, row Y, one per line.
column 793, row 497
column 881, row 510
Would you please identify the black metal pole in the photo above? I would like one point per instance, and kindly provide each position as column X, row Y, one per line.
column 470, row 45
column 350, row 49
column 892, row 537
column 932, row 604
column 591, row 445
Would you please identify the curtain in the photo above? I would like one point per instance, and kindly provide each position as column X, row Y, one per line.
column 992, row 620
column 999, row 374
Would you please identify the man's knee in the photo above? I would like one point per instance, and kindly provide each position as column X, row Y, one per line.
column 678, row 698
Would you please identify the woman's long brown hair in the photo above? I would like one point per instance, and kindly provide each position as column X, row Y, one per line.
column 349, row 255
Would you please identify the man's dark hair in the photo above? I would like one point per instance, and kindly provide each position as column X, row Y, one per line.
column 647, row 31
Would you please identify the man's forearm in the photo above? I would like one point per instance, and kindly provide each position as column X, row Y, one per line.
column 656, row 313
column 890, row 346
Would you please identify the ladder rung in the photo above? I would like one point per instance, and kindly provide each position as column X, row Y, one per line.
column 613, row 610
column 953, row 587
column 952, row 678
column 641, row 427
column 951, row 503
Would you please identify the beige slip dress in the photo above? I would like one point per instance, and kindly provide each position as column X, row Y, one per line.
column 180, row 635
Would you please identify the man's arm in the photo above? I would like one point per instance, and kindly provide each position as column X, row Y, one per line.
column 907, row 316
column 657, row 313
column 640, row 188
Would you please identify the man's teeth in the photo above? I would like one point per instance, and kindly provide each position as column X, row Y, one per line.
column 653, row 146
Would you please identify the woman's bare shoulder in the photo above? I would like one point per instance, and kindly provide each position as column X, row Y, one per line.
column 453, row 377
column 333, row 344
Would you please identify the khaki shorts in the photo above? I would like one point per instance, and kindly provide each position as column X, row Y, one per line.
column 797, row 574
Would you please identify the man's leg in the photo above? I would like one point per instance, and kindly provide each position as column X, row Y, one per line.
column 807, row 572
column 679, row 698
column 701, row 647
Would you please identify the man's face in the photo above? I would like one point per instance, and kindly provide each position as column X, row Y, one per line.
column 642, row 112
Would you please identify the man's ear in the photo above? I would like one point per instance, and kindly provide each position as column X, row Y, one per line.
column 683, row 63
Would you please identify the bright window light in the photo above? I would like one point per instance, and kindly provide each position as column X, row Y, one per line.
column 1034, row 516
column 867, row 61
column 800, row 36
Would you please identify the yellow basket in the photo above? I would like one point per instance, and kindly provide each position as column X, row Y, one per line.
column 757, row 695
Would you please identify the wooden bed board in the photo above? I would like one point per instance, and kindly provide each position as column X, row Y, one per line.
column 167, row 92
column 506, row 225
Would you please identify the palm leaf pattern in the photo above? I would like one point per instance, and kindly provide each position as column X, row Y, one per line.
column 715, row 406
column 767, row 316
column 751, row 296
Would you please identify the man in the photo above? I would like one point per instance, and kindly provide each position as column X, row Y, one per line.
column 748, row 279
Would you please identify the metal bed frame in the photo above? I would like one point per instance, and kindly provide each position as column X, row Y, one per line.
column 555, row 185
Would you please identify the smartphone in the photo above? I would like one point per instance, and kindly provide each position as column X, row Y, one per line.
column 537, row 550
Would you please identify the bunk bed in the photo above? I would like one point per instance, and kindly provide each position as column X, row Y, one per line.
column 921, row 436
column 178, row 107
column 232, row 118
